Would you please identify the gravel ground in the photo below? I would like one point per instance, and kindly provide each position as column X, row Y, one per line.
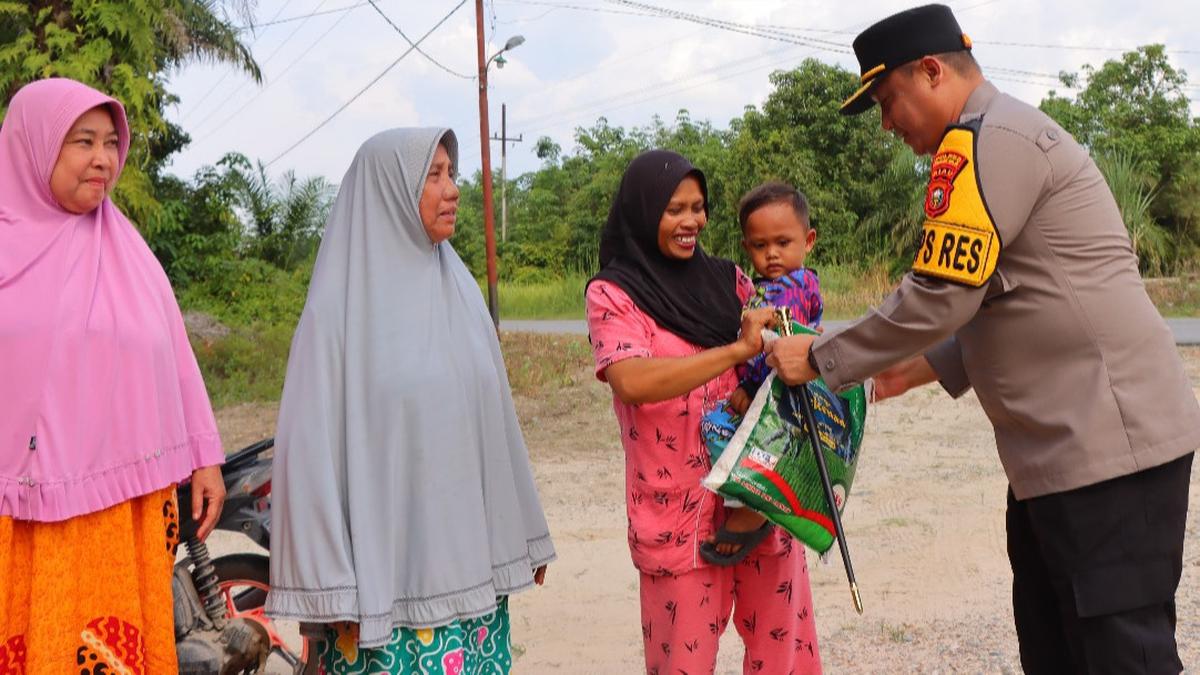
column 925, row 526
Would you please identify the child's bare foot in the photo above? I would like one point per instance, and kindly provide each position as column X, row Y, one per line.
column 740, row 520
column 739, row 401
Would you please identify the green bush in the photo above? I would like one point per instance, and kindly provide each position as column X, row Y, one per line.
column 246, row 291
column 260, row 304
column 246, row 365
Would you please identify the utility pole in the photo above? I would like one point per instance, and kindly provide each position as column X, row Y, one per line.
column 489, row 218
column 504, row 141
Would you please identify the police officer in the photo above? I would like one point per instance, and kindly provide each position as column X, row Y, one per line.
column 1025, row 288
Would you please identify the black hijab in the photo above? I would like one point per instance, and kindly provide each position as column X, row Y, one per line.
column 696, row 299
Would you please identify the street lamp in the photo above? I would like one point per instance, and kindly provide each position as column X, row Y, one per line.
column 489, row 217
column 513, row 42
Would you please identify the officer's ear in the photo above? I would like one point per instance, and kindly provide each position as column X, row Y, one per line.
column 930, row 69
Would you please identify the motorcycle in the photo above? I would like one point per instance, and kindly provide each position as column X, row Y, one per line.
column 220, row 625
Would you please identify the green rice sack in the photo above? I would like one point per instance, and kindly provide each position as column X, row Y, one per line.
column 769, row 465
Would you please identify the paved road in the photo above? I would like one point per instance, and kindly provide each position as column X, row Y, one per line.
column 1187, row 331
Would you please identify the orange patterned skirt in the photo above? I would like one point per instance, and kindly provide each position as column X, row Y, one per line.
column 91, row 594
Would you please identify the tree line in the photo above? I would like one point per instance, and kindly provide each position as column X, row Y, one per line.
column 865, row 187
column 239, row 243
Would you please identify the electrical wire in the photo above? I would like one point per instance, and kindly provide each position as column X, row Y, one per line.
column 370, row 84
column 634, row 96
column 300, row 17
column 414, row 46
column 584, row 8
column 276, row 79
column 205, row 95
column 655, row 93
column 615, row 101
column 747, row 29
column 232, row 95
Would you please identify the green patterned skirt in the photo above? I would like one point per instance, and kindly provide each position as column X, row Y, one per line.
column 471, row 647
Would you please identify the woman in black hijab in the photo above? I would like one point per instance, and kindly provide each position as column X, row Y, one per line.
column 664, row 322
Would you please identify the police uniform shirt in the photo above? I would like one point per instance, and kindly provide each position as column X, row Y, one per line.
column 1031, row 295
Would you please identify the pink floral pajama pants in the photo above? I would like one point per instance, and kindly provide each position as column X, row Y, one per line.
column 769, row 597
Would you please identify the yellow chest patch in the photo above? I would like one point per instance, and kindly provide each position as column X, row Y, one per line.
column 959, row 241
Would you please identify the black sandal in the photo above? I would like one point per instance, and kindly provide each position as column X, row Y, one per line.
column 748, row 540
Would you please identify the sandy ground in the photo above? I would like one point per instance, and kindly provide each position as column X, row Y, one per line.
column 925, row 525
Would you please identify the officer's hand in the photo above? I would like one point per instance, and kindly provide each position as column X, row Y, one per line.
column 789, row 357
column 901, row 377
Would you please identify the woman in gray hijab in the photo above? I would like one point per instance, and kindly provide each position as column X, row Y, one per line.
column 404, row 505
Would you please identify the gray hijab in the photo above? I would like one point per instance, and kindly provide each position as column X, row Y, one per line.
column 402, row 491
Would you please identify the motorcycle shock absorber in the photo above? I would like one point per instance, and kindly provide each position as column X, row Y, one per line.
column 204, row 575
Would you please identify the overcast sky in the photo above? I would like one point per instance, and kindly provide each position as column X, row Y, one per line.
column 583, row 59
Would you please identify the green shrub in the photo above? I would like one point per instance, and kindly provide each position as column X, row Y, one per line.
column 246, row 365
column 241, row 292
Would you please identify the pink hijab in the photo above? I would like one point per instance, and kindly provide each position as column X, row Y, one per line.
column 101, row 399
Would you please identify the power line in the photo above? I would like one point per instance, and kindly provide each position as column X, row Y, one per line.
column 583, row 8
column 657, row 93
column 300, row 17
column 776, row 34
column 992, row 43
column 635, row 96
column 664, row 13
column 370, row 84
column 277, row 78
column 224, row 75
column 267, row 60
column 747, row 29
column 636, row 54
column 1093, row 48
column 615, row 101
column 414, row 46
column 1044, row 85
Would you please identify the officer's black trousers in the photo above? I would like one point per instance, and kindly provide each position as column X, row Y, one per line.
column 1095, row 571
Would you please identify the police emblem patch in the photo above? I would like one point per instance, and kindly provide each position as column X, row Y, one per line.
column 959, row 241
column 947, row 164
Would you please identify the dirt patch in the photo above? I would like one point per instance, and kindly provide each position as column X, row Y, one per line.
column 246, row 423
column 925, row 527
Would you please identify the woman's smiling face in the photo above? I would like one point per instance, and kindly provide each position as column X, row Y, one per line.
column 87, row 163
column 682, row 220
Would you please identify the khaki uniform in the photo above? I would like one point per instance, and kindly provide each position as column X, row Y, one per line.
column 1072, row 363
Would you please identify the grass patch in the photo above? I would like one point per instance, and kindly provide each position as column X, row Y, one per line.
column 898, row 634
column 848, row 292
column 552, row 299
column 539, row 362
column 1176, row 296
column 247, row 365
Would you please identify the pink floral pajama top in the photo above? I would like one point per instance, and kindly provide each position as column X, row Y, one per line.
column 670, row 514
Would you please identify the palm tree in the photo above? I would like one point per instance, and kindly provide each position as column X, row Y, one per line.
column 1135, row 195
column 285, row 216
column 192, row 31
column 899, row 215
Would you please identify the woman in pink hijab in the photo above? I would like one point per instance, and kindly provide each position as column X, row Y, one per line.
column 102, row 407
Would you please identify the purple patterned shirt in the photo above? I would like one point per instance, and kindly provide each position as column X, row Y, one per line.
column 799, row 291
